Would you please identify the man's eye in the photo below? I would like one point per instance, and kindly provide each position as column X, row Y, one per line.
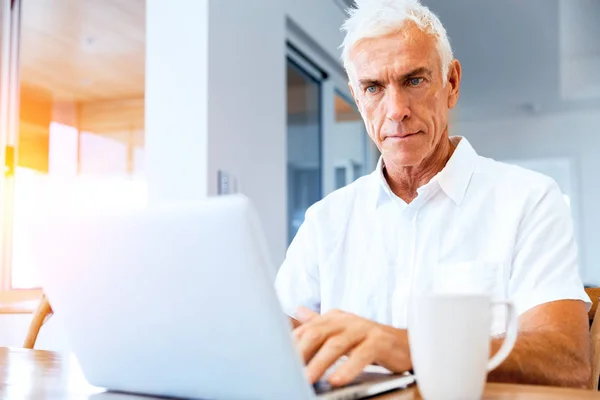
column 372, row 89
column 415, row 81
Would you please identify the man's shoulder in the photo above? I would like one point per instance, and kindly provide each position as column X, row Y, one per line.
column 512, row 178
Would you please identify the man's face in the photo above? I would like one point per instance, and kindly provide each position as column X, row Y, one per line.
column 397, row 83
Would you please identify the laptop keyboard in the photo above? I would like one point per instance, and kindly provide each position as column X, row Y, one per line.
column 323, row 386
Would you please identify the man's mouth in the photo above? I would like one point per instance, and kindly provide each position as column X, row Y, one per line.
column 402, row 135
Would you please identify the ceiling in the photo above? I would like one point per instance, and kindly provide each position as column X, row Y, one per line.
column 84, row 50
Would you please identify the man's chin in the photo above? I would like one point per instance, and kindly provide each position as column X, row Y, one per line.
column 399, row 159
column 407, row 153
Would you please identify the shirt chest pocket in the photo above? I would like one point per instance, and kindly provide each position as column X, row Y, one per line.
column 472, row 277
column 476, row 277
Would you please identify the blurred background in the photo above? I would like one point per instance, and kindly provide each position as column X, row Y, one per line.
column 133, row 102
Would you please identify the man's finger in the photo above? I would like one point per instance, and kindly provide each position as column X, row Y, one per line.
column 330, row 320
column 361, row 356
column 334, row 348
column 311, row 336
column 303, row 314
column 310, row 342
column 294, row 322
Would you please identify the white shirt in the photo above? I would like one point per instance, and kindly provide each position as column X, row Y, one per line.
column 477, row 226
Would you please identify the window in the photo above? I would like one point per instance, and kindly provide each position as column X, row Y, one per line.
column 79, row 136
column 303, row 144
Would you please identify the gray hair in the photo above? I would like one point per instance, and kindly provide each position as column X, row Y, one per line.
column 376, row 18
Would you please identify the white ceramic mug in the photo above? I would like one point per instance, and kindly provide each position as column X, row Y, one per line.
column 450, row 338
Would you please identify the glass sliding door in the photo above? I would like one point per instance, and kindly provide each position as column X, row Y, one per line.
column 303, row 143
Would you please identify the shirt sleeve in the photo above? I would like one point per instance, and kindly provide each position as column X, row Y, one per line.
column 297, row 283
column 545, row 264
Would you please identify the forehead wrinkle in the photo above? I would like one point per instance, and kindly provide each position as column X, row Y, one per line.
column 369, row 50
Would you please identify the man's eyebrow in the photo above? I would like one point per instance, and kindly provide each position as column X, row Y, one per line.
column 415, row 72
column 369, row 82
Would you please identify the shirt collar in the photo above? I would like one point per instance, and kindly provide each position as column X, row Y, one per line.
column 453, row 179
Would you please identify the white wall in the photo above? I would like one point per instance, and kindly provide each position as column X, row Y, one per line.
column 247, row 107
column 177, row 45
column 574, row 135
column 215, row 100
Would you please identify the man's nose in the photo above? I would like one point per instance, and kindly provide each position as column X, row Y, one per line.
column 398, row 106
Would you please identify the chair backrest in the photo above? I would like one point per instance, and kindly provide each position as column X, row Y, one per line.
column 40, row 316
column 594, row 314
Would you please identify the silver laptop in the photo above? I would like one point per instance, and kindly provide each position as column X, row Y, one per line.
column 177, row 301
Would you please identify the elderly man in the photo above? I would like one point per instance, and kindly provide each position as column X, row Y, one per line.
column 433, row 216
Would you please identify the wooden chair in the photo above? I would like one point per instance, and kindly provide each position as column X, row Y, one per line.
column 594, row 314
column 41, row 315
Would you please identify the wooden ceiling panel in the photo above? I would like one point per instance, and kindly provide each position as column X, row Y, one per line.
column 84, row 50
column 113, row 117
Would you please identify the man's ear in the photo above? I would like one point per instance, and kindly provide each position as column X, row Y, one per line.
column 454, row 77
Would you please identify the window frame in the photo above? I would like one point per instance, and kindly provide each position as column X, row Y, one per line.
column 9, row 117
column 12, row 301
column 302, row 65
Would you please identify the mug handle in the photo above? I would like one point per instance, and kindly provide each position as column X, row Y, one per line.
column 511, row 335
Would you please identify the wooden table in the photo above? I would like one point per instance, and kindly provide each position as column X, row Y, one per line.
column 43, row 375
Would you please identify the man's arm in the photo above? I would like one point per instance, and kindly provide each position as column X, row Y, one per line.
column 298, row 280
column 553, row 347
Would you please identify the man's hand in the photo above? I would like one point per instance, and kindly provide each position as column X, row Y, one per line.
column 323, row 339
